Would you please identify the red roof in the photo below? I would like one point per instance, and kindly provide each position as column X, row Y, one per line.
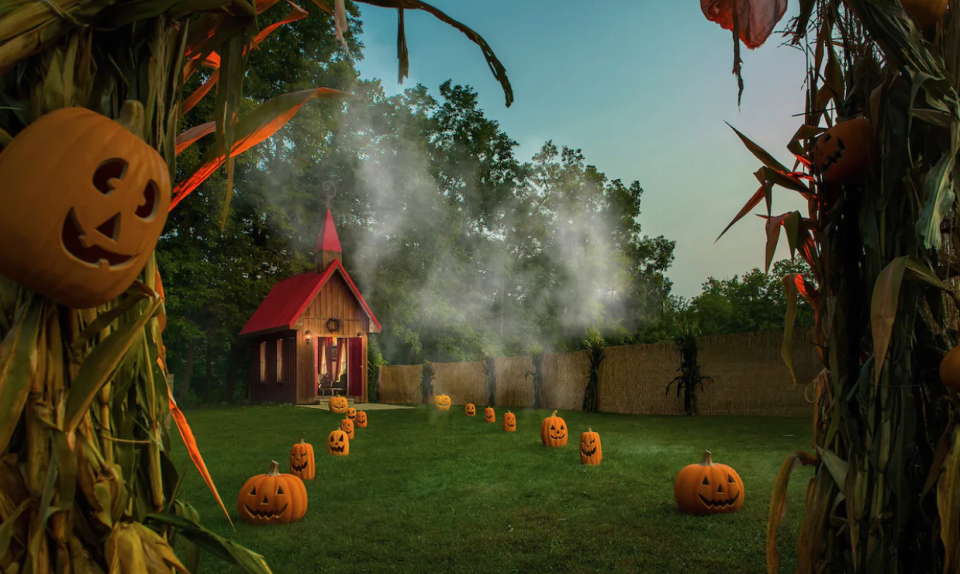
column 328, row 240
column 289, row 299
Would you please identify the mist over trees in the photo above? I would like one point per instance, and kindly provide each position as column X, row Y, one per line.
column 460, row 247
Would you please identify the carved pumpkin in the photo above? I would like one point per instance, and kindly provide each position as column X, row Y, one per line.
column 302, row 463
column 950, row 369
column 842, row 153
column 352, row 413
column 346, row 425
column 553, row 431
column 338, row 443
column 361, row 420
column 510, row 422
column 489, row 415
column 338, row 405
column 470, row 410
column 85, row 200
column 442, row 402
column 926, row 12
column 590, row 450
column 272, row 498
column 708, row 488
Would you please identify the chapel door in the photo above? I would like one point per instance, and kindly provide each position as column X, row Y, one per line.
column 355, row 368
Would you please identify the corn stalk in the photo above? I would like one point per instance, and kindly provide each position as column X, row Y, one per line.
column 86, row 479
column 883, row 422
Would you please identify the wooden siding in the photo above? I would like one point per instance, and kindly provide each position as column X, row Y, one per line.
column 272, row 390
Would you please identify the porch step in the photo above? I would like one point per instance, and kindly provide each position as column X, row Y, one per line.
column 325, row 402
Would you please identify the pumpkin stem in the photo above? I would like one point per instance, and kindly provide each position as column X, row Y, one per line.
column 302, row 441
column 589, row 429
column 707, row 460
column 554, row 414
column 274, row 468
column 132, row 117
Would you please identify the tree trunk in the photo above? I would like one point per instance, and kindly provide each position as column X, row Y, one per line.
column 183, row 390
column 208, row 386
column 231, row 376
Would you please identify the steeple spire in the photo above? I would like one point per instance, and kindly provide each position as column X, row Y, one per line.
column 328, row 243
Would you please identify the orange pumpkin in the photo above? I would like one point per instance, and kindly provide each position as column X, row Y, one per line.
column 346, row 425
column 338, row 405
column 708, row 488
column 351, row 413
column 925, row 12
column 338, row 443
column 85, row 200
column 842, row 153
column 361, row 420
column 489, row 415
column 590, row 449
column 272, row 498
column 302, row 463
column 470, row 410
column 510, row 422
column 553, row 431
column 950, row 369
column 442, row 402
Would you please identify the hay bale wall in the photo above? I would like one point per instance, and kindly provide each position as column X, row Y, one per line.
column 749, row 375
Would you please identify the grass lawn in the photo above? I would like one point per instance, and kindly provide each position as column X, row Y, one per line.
column 429, row 491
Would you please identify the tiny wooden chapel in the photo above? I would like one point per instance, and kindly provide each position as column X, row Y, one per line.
column 309, row 335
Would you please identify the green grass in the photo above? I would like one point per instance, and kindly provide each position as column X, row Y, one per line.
column 428, row 491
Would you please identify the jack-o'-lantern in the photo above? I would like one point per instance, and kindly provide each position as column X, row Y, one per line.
column 489, row 415
column 302, row 463
column 272, row 498
column 352, row 413
column 590, row 450
column 442, row 402
column 470, row 410
column 338, row 405
column 361, row 420
column 338, row 443
column 926, row 12
column 708, row 488
column 842, row 153
column 553, row 431
column 85, row 200
column 950, row 369
column 510, row 422
column 346, row 425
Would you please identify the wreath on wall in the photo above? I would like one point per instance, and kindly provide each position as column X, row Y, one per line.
column 333, row 325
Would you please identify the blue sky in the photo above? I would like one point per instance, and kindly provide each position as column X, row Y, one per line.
column 642, row 87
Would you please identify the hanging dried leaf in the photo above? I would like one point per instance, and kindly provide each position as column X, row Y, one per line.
column 883, row 310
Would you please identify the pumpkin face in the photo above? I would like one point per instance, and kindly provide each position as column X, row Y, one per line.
column 85, row 203
column 926, row 12
column 361, row 420
column 590, row 451
column 553, row 431
column 470, row 410
column 338, row 405
column 346, row 425
column 272, row 498
column 442, row 402
column 352, row 413
column 338, row 443
column 842, row 153
column 950, row 369
column 302, row 463
column 510, row 422
column 489, row 416
column 708, row 488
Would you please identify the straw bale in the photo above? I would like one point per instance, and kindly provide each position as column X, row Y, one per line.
column 514, row 388
column 464, row 382
column 750, row 377
column 400, row 384
column 633, row 379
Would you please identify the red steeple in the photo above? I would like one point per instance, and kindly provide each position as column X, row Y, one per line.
column 328, row 244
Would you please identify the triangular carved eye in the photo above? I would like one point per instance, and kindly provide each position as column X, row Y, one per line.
column 279, row 490
column 253, row 491
column 706, row 482
column 730, row 479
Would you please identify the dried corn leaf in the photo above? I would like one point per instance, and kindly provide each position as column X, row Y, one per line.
column 778, row 503
column 222, row 548
column 883, row 310
column 18, row 361
column 948, row 506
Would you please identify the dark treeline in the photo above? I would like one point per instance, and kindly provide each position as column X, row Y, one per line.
column 462, row 249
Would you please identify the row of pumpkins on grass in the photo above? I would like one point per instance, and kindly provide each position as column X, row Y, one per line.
column 280, row 498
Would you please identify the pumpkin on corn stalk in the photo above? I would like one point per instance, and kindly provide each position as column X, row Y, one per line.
column 85, row 407
column 880, row 242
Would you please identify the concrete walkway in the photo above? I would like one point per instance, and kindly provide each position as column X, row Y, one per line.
column 361, row 407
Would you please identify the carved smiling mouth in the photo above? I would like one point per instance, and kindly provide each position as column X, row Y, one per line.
column 298, row 467
column 556, row 437
column 336, row 449
column 72, row 237
column 265, row 514
column 720, row 503
column 593, row 452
